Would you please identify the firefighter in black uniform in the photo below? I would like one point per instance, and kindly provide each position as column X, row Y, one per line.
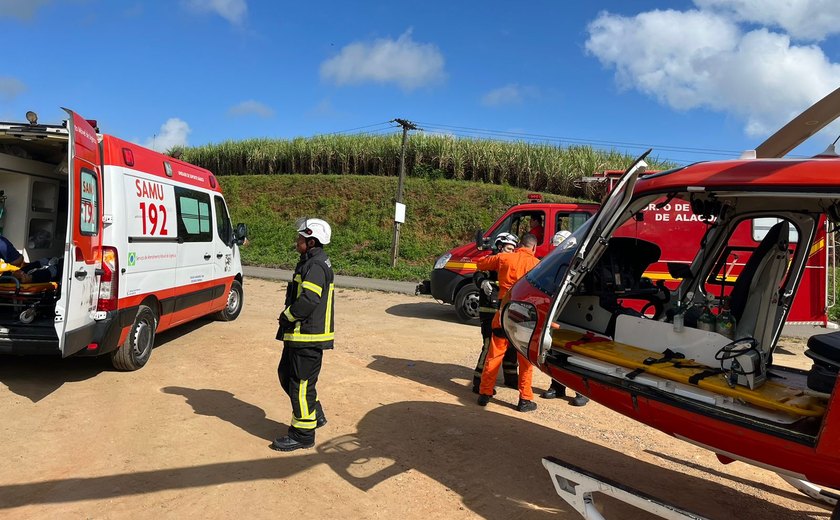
column 306, row 329
column 488, row 304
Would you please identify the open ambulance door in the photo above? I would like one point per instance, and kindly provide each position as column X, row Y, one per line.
column 75, row 310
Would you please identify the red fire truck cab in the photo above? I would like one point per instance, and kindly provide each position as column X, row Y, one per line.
column 451, row 278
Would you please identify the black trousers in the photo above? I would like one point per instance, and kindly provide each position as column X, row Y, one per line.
column 510, row 362
column 298, row 373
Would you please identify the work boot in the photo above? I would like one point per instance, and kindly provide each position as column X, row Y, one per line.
column 286, row 443
column 483, row 400
column 526, row 406
column 551, row 393
column 579, row 400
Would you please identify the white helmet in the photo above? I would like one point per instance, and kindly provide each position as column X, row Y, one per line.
column 314, row 228
column 506, row 238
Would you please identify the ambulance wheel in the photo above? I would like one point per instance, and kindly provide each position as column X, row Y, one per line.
column 234, row 303
column 135, row 352
column 466, row 303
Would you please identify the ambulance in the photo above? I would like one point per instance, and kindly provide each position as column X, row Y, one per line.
column 139, row 242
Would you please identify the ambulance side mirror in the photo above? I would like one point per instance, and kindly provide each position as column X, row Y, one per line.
column 241, row 233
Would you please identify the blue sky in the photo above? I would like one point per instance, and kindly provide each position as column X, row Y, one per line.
column 684, row 77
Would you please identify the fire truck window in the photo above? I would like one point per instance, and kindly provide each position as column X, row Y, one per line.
column 570, row 221
column 760, row 227
column 535, row 225
column 223, row 221
column 193, row 215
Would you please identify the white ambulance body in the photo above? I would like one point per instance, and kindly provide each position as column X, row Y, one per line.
column 144, row 240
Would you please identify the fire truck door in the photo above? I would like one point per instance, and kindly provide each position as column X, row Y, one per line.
column 74, row 313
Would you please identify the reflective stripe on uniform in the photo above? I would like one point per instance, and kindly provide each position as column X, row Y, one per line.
column 307, row 418
column 288, row 313
column 328, row 317
column 311, row 338
column 312, row 287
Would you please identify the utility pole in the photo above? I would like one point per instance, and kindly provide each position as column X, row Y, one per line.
column 399, row 207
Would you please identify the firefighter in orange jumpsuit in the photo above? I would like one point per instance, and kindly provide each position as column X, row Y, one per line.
column 511, row 267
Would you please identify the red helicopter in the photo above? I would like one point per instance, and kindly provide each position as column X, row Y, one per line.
column 694, row 358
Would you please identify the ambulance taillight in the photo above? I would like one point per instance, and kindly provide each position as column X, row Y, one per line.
column 109, row 281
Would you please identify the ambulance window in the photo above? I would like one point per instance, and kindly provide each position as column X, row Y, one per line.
column 193, row 215
column 89, row 203
column 223, row 221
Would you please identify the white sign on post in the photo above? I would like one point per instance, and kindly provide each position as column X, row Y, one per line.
column 399, row 213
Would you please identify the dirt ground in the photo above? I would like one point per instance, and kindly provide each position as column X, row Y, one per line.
column 188, row 435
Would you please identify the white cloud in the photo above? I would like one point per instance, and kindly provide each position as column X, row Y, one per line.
column 21, row 9
column 233, row 11
column 402, row 61
column 173, row 132
column 701, row 59
column 802, row 19
column 512, row 94
column 10, row 88
column 251, row 107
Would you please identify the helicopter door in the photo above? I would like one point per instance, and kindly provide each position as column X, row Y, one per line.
column 594, row 242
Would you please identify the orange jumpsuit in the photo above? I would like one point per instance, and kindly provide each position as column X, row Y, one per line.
column 511, row 267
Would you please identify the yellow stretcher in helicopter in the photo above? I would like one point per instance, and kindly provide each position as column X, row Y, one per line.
column 771, row 395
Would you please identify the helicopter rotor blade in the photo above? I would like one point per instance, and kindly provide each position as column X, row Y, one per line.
column 800, row 128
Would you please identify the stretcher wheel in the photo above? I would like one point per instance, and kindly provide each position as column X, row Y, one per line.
column 28, row 316
column 137, row 348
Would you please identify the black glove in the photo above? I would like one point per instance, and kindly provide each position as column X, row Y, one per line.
column 284, row 322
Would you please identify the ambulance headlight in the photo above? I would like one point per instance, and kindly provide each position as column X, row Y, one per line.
column 519, row 321
column 440, row 263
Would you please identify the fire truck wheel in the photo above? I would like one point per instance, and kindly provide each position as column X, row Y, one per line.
column 135, row 352
column 466, row 303
column 234, row 303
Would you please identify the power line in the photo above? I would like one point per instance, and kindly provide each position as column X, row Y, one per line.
column 361, row 128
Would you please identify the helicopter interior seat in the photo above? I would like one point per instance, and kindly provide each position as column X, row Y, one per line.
column 618, row 275
column 754, row 300
column 824, row 349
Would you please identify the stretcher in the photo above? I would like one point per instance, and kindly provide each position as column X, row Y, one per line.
column 771, row 395
column 27, row 300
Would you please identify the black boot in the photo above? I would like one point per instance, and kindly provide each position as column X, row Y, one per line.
column 579, row 400
column 288, row 444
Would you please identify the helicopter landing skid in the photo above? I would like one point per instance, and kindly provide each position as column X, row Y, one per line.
column 577, row 487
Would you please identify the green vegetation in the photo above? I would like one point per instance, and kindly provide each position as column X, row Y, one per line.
column 440, row 214
column 537, row 167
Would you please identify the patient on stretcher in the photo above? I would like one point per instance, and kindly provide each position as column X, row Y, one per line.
column 40, row 271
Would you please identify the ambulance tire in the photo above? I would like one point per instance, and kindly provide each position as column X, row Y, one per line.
column 135, row 352
column 234, row 303
column 466, row 303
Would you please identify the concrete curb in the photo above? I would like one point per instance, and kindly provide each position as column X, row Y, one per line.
column 350, row 282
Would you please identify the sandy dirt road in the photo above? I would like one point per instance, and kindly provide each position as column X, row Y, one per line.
column 187, row 435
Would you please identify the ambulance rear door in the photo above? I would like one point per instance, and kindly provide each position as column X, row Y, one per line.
column 74, row 312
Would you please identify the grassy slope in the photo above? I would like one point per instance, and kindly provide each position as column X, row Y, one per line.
column 440, row 215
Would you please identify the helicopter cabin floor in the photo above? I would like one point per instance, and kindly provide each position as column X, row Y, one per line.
column 783, row 402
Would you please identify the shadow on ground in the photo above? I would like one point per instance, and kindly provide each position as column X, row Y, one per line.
column 467, row 449
column 36, row 377
column 427, row 311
